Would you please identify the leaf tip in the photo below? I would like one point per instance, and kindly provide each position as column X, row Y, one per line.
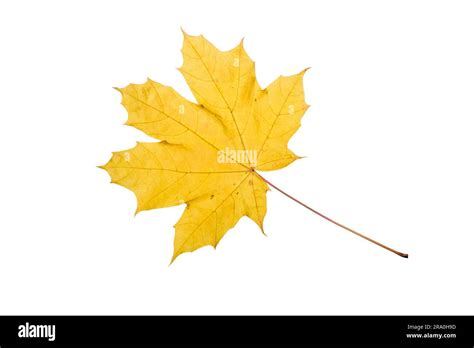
column 185, row 34
column 173, row 258
column 303, row 72
column 137, row 210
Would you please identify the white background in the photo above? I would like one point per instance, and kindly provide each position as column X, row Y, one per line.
column 388, row 141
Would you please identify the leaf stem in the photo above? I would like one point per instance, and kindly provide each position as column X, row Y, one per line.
column 333, row 221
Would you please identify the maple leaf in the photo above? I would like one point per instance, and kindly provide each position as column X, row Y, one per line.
column 210, row 151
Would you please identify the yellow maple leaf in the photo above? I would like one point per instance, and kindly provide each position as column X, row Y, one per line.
column 210, row 151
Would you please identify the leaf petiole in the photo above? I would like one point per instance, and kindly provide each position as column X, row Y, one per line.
column 331, row 220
